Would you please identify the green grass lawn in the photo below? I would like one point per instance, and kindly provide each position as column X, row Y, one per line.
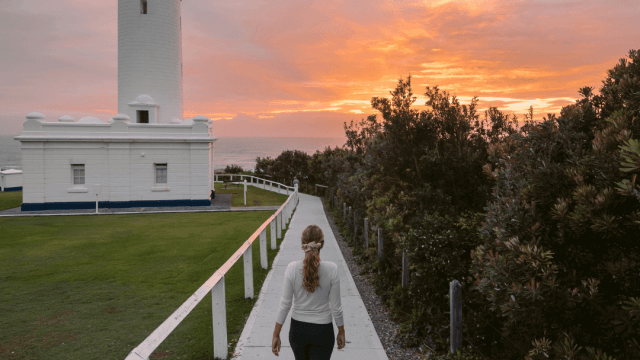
column 255, row 196
column 94, row 287
column 10, row 200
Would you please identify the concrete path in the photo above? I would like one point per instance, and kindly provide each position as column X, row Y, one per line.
column 362, row 339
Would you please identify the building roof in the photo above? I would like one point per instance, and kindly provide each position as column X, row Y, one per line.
column 144, row 100
column 90, row 120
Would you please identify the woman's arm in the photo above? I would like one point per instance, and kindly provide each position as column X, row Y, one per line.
column 285, row 306
column 335, row 302
column 340, row 337
column 275, row 343
column 287, row 296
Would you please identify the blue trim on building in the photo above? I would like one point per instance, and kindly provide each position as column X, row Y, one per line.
column 17, row 188
column 112, row 204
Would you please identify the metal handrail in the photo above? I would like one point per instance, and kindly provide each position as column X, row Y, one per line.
column 215, row 285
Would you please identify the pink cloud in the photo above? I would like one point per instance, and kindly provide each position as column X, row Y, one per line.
column 318, row 62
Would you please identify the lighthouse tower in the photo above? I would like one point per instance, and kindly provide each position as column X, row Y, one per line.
column 150, row 60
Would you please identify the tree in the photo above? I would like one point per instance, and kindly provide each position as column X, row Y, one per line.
column 233, row 169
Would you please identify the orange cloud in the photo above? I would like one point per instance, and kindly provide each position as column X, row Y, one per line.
column 319, row 61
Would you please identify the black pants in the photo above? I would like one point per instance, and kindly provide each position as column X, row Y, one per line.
column 311, row 341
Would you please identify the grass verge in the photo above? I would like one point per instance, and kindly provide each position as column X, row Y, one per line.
column 255, row 196
column 10, row 200
column 94, row 287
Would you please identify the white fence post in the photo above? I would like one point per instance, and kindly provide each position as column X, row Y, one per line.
column 245, row 192
column 248, row 272
column 219, row 315
column 279, row 225
column 272, row 226
column 263, row 249
column 288, row 213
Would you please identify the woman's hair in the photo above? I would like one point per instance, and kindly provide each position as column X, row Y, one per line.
column 312, row 240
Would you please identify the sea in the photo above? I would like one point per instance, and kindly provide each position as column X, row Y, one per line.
column 241, row 151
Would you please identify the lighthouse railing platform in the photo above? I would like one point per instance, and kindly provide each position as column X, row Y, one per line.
column 216, row 284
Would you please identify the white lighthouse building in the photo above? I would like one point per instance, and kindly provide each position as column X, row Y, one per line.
column 144, row 156
column 150, row 60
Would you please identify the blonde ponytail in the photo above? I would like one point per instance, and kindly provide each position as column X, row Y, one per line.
column 312, row 241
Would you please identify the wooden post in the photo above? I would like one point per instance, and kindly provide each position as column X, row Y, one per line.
column 248, row 272
column 366, row 233
column 279, row 224
column 219, row 315
column 380, row 253
column 349, row 220
column 405, row 270
column 344, row 211
column 455, row 309
column 263, row 249
column 355, row 226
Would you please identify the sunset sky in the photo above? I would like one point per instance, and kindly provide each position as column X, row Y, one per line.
column 302, row 68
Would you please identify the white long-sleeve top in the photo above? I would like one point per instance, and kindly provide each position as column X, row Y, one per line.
column 316, row 307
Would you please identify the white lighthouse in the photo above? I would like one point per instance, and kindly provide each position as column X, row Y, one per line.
column 150, row 60
column 144, row 156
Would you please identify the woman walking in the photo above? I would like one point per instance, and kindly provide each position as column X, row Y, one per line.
column 315, row 289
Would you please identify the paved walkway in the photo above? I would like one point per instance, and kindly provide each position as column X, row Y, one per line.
column 362, row 339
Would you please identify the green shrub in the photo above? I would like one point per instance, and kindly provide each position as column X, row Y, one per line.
column 233, row 169
column 560, row 257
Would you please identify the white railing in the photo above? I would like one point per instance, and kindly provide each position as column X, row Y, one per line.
column 215, row 284
column 256, row 181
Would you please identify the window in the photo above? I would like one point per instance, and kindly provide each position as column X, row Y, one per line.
column 161, row 173
column 143, row 6
column 77, row 172
column 143, row 116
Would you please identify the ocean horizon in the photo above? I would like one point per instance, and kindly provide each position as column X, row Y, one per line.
column 241, row 151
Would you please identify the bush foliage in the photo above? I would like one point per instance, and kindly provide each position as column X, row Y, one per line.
column 233, row 169
column 540, row 223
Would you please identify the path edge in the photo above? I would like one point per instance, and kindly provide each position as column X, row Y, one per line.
column 248, row 326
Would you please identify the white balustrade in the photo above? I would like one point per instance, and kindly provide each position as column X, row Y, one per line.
column 263, row 249
column 279, row 225
column 247, row 258
column 274, row 243
column 219, row 315
column 215, row 285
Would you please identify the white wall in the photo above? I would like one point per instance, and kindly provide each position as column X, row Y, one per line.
column 119, row 156
column 150, row 56
column 10, row 179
